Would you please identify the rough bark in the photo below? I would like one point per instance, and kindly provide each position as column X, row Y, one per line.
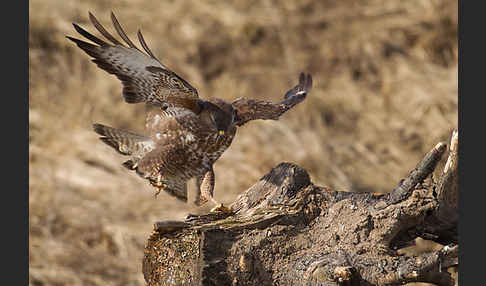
column 287, row 231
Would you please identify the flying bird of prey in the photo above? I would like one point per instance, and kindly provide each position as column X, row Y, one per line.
column 185, row 134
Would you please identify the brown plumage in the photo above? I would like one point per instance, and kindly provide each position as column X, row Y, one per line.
column 186, row 135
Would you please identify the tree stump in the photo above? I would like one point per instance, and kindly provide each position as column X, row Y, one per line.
column 287, row 231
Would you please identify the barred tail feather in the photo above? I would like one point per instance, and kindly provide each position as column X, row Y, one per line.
column 124, row 142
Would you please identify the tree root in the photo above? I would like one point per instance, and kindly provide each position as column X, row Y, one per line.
column 286, row 230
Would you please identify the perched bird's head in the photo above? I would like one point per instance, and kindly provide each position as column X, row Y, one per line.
column 219, row 114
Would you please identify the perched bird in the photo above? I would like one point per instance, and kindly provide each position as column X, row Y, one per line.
column 185, row 134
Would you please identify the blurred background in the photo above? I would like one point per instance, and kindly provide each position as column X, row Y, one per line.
column 385, row 92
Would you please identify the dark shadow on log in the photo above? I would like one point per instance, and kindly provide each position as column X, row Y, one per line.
column 287, row 231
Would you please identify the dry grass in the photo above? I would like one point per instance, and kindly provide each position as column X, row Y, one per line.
column 385, row 91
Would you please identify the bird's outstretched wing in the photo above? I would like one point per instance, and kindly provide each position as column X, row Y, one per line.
column 144, row 77
column 251, row 109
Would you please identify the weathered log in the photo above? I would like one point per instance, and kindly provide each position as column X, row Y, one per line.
column 287, row 231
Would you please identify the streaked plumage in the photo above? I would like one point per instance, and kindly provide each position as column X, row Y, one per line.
column 186, row 135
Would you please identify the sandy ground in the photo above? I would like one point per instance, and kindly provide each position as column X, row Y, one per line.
column 385, row 92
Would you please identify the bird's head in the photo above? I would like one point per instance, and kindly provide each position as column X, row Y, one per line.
column 219, row 114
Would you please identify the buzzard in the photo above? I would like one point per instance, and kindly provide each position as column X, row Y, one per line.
column 185, row 134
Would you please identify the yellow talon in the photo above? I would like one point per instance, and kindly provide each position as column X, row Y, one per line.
column 221, row 208
column 160, row 186
column 157, row 192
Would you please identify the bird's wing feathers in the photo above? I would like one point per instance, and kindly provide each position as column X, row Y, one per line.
column 251, row 109
column 125, row 142
column 299, row 92
column 144, row 77
column 159, row 120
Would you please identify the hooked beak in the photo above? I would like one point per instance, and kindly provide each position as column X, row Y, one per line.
column 220, row 135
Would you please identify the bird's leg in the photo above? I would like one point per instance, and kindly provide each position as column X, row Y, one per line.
column 205, row 188
column 159, row 189
column 158, row 184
